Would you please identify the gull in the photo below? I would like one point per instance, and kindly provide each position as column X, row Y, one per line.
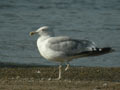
column 64, row 49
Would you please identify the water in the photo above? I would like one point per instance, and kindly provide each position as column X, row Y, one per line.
column 96, row 20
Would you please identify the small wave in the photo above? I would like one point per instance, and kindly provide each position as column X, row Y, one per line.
column 6, row 6
column 16, row 45
column 44, row 7
column 10, row 15
column 18, row 56
column 13, row 64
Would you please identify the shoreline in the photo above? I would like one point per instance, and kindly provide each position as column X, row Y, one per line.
column 76, row 78
column 74, row 73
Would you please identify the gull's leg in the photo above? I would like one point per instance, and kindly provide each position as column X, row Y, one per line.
column 67, row 67
column 60, row 72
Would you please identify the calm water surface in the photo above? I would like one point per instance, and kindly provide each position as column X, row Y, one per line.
column 96, row 20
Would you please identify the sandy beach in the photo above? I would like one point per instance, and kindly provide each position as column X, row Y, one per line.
column 76, row 78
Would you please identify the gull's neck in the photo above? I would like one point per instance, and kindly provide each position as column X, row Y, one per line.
column 44, row 37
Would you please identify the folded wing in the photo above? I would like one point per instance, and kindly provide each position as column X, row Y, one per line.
column 70, row 47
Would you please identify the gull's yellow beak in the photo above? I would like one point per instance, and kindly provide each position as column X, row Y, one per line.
column 32, row 33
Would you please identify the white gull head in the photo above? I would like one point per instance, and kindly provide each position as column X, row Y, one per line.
column 43, row 31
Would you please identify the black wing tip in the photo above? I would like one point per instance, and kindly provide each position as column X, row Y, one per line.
column 99, row 51
column 107, row 49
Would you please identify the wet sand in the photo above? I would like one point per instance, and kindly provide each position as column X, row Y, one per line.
column 76, row 78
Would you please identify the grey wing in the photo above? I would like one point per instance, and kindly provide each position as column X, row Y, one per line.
column 70, row 46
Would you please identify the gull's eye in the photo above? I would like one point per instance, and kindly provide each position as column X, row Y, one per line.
column 44, row 29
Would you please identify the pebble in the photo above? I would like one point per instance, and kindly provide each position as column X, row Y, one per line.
column 49, row 79
column 38, row 72
column 105, row 85
column 42, row 79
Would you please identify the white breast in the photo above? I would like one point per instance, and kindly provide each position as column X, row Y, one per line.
column 48, row 53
